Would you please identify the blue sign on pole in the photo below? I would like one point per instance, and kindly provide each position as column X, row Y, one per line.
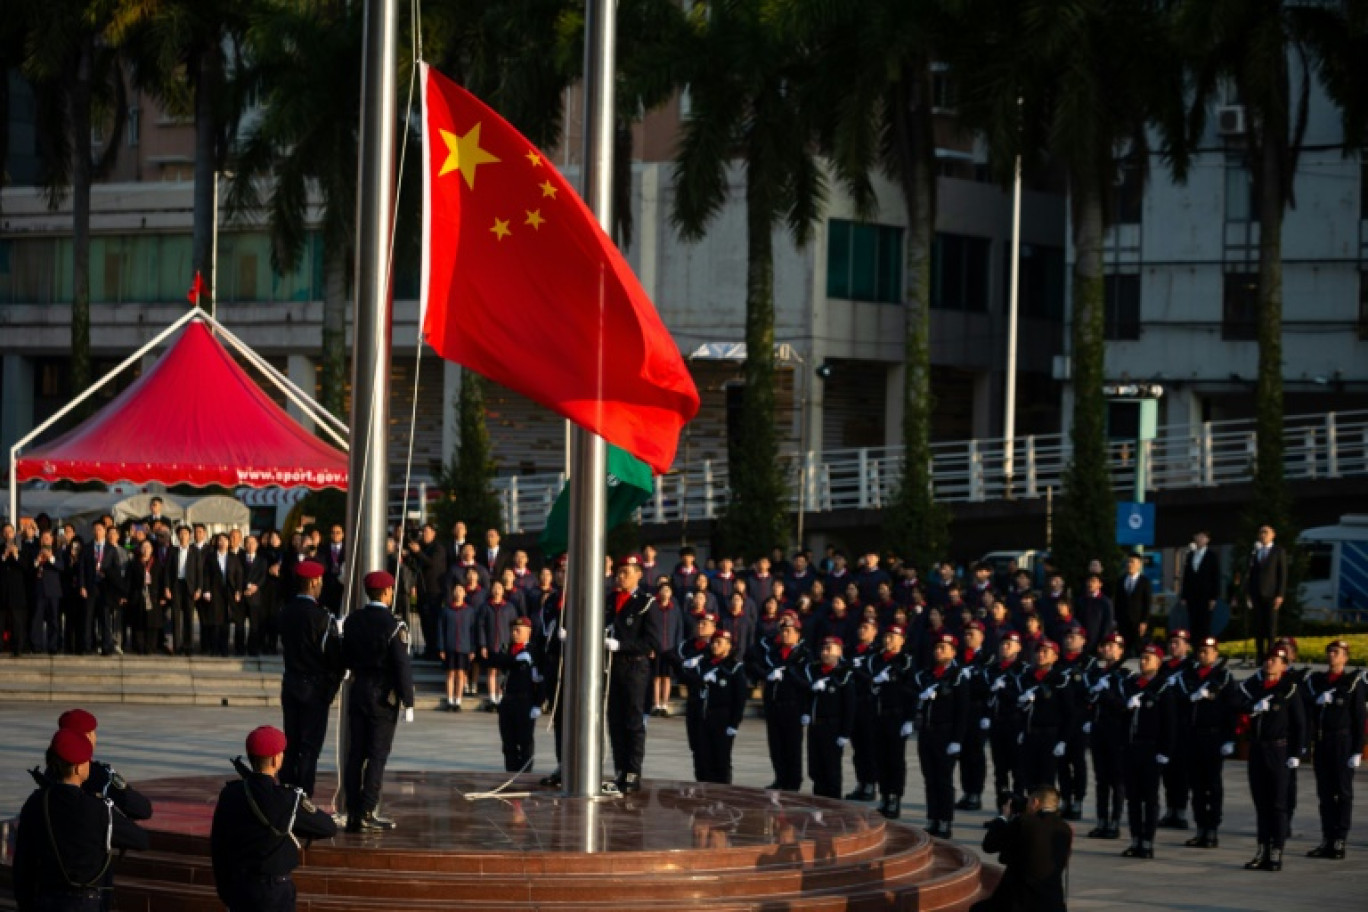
column 1134, row 523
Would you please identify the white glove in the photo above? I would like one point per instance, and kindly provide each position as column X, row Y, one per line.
column 1000, row 683
column 536, row 712
column 1161, row 759
column 1293, row 763
column 1100, row 686
column 1261, row 707
column 1326, row 698
column 1059, row 749
column 693, row 662
column 1026, row 699
column 1134, row 702
column 881, row 677
column 906, row 730
column 1228, row 749
column 929, row 693
column 524, row 656
column 1021, row 738
column 1355, row 761
column 611, row 644
column 560, row 633
column 953, row 749
column 1200, row 694
column 408, row 713
column 842, row 742
column 819, row 685
column 731, row 732
column 711, row 677
column 806, row 719
column 985, row 723
column 1087, row 728
column 777, row 674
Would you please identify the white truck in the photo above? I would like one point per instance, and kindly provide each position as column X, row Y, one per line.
column 1335, row 587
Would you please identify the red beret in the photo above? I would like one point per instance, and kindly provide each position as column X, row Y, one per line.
column 72, row 746
column 1280, row 652
column 723, row 635
column 1211, row 642
column 1153, row 649
column 948, row 639
column 1337, row 644
column 77, row 720
column 522, row 622
column 898, row 629
column 309, row 570
column 1011, row 636
column 1116, row 638
column 1047, row 644
column 1287, row 641
column 789, row 619
column 631, row 560
column 1078, row 629
column 975, row 625
column 1180, row 634
column 378, row 579
column 266, row 741
column 834, row 641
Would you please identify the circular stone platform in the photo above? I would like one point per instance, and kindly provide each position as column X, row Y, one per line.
column 675, row 845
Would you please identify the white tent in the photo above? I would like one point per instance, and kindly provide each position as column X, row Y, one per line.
column 140, row 505
column 218, row 514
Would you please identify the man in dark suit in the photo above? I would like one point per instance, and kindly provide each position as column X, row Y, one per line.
column 182, row 580
column 219, row 598
column 333, row 557
column 493, row 558
column 1200, row 586
column 1034, row 847
column 99, row 568
column 1133, row 597
column 1095, row 613
column 1265, row 587
column 428, row 557
column 255, row 569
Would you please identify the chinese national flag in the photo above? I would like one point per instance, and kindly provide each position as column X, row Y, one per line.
column 521, row 285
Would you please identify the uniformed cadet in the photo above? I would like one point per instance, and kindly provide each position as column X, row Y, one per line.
column 1297, row 675
column 1206, row 736
column 1337, row 699
column 1105, row 726
column 523, row 696
column 1004, row 687
column 780, row 665
column 104, row 781
column 1148, row 704
column 1276, row 740
column 254, row 839
column 862, row 737
column 890, row 677
column 633, row 634
column 312, row 645
column 1073, row 766
column 1175, row 775
column 550, row 635
column 1046, row 710
column 67, row 836
column 375, row 644
column 697, row 646
column 720, row 683
column 973, row 765
column 829, row 718
column 942, row 715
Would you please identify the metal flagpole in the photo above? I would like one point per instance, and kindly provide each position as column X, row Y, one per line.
column 1009, row 406
column 583, row 731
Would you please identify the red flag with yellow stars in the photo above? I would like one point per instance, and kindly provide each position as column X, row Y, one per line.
column 521, row 285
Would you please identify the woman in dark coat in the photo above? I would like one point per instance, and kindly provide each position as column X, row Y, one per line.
column 142, row 608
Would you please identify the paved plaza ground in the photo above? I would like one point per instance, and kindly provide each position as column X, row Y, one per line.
column 146, row 742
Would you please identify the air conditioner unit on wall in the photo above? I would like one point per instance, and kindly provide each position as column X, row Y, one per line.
column 1230, row 120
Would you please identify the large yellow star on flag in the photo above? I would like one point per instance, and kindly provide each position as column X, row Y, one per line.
column 465, row 155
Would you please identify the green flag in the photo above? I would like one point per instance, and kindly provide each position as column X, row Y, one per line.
column 629, row 486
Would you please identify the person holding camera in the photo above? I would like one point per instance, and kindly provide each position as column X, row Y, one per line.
column 1033, row 844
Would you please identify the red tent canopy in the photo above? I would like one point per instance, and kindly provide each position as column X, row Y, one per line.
column 195, row 418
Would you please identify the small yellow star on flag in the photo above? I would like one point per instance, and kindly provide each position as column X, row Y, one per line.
column 548, row 189
column 500, row 228
column 534, row 218
column 535, row 159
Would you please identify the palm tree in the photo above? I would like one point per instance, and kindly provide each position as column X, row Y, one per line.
column 78, row 82
column 750, row 91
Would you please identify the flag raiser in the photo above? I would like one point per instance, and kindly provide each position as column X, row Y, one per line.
column 514, row 263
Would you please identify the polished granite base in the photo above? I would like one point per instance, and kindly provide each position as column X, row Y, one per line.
column 674, row 845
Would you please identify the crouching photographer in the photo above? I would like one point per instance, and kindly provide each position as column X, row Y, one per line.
column 1033, row 845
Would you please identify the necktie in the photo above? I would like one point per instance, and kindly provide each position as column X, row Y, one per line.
column 1130, row 584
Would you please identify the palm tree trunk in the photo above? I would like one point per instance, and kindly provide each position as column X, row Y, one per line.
column 207, row 84
column 334, row 331
column 80, row 217
column 1270, row 494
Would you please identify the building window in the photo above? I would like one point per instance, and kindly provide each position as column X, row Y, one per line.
column 959, row 272
column 131, row 128
column 1239, row 190
column 1240, row 306
column 864, row 261
column 1122, row 315
column 1128, row 203
column 1042, row 282
column 942, row 87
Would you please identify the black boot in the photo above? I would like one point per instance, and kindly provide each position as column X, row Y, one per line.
column 1099, row 831
column 1146, row 850
column 1113, row 829
column 553, row 780
column 892, row 807
column 1198, row 841
column 1274, row 860
column 1174, row 820
column 1213, row 842
column 373, row 822
column 1337, row 850
column 1072, row 811
column 1133, row 850
column 630, row 782
column 883, row 804
column 1259, row 860
column 863, row 792
column 975, row 801
column 1323, row 850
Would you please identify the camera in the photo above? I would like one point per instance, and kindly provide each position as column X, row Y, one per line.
column 1015, row 804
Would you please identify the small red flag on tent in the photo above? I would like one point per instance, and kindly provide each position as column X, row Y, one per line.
column 196, row 289
column 521, row 285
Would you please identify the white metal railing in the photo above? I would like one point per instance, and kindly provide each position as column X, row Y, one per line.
column 1327, row 445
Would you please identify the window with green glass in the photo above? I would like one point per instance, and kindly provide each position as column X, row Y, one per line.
column 959, row 272
column 864, row 261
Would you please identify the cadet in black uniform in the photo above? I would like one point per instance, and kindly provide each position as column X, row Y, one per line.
column 942, row 696
column 720, row 682
column 1175, row 775
column 1206, row 729
column 1105, row 726
column 254, row 839
column 1073, row 766
column 375, row 645
column 890, row 675
column 974, row 661
column 523, row 696
column 689, row 654
column 1046, row 712
column 1004, row 687
column 780, row 665
column 863, row 740
column 312, row 647
column 104, row 781
column 1277, row 738
column 67, row 836
column 633, row 634
column 830, row 717
column 1337, row 719
column 1148, row 704
column 1297, row 675
column 550, row 636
